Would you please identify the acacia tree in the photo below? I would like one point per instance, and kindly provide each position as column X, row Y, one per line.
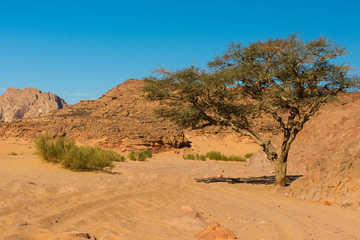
column 289, row 79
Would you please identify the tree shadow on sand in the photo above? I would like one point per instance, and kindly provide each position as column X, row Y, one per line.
column 263, row 180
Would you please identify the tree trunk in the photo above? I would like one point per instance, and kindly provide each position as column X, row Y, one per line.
column 280, row 170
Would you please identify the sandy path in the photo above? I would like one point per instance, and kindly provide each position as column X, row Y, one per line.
column 135, row 203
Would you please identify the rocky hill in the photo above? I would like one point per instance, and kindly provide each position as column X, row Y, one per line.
column 120, row 119
column 27, row 103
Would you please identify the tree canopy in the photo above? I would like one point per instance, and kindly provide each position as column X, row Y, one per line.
column 289, row 79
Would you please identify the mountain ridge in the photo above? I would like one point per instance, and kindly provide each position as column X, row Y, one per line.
column 27, row 103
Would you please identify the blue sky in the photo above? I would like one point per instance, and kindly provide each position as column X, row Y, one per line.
column 81, row 49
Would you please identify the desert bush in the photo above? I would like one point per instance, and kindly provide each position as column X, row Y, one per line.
column 84, row 158
column 13, row 154
column 148, row 153
column 200, row 157
column 53, row 150
column 248, row 155
column 90, row 158
column 189, row 156
column 140, row 155
column 235, row 159
column 213, row 155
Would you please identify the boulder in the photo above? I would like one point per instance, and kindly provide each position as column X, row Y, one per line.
column 215, row 232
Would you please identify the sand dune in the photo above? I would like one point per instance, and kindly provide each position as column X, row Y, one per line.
column 42, row 201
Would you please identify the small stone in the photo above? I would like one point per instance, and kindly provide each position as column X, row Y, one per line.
column 123, row 150
column 22, row 224
column 327, row 203
column 219, row 176
column 77, row 234
column 345, row 205
column 186, row 209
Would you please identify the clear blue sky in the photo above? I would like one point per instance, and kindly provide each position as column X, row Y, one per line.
column 81, row 49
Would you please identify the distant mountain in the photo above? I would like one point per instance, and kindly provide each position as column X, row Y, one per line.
column 27, row 103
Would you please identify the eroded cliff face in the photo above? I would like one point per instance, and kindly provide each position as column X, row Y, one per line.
column 27, row 103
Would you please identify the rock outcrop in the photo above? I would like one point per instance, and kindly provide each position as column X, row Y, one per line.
column 27, row 103
column 335, row 126
column 332, row 178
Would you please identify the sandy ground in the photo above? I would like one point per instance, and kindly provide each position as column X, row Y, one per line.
column 41, row 201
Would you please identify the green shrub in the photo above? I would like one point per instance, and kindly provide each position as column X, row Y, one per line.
column 248, row 155
column 189, row 156
column 90, row 158
column 53, row 150
column 84, row 158
column 131, row 155
column 140, row 155
column 120, row 159
column 200, row 157
column 213, row 155
column 13, row 154
column 236, row 159
column 148, row 153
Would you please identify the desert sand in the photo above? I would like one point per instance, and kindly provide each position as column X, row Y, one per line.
column 143, row 200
